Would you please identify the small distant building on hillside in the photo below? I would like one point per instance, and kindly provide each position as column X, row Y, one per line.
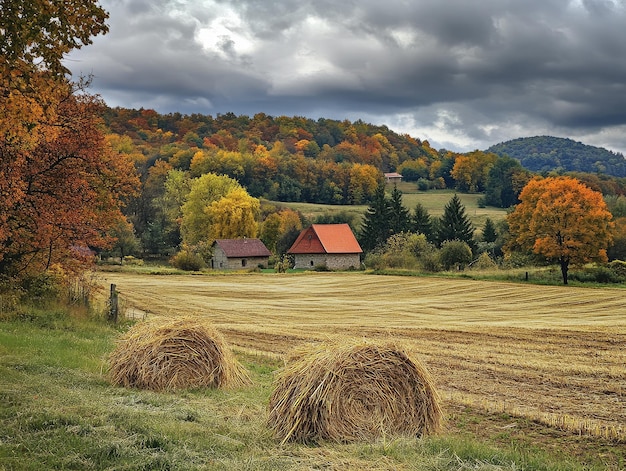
column 393, row 177
column 329, row 245
column 235, row 254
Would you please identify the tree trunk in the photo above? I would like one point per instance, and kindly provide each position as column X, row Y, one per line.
column 564, row 268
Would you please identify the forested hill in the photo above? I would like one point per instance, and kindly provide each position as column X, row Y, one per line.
column 341, row 141
column 278, row 158
column 546, row 153
column 317, row 161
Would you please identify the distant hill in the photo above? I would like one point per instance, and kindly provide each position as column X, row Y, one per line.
column 546, row 153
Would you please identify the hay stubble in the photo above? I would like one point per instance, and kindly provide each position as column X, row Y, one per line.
column 552, row 354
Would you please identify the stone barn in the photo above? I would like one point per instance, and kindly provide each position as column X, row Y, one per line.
column 332, row 246
column 237, row 254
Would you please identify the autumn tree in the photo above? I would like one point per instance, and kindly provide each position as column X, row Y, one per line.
column 364, row 179
column 205, row 190
column 68, row 191
column 563, row 220
column 276, row 225
column 233, row 216
column 61, row 184
column 471, row 170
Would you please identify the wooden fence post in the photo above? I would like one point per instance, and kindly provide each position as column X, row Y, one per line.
column 113, row 305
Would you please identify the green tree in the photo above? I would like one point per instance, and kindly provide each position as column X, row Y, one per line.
column 399, row 216
column 501, row 190
column 454, row 224
column 126, row 242
column 375, row 228
column 489, row 231
column 37, row 34
column 422, row 223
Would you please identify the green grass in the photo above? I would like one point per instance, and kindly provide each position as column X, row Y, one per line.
column 433, row 200
column 59, row 412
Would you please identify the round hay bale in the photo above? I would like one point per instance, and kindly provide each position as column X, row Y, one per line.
column 352, row 391
column 180, row 353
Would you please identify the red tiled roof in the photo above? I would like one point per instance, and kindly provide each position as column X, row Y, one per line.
column 326, row 238
column 243, row 247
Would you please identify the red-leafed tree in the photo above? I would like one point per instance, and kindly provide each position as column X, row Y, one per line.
column 66, row 192
column 61, row 185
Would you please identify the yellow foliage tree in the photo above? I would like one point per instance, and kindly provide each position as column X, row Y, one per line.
column 205, row 190
column 471, row 170
column 234, row 216
column 563, row 220
column 364, row 180
column 276, row 225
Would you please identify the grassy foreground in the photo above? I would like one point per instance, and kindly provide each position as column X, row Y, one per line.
column 59, row 412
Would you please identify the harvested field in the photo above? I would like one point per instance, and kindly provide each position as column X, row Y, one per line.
column 555, row 355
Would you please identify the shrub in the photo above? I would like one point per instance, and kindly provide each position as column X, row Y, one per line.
column 484, row 262
column 42, row 287
column 187, row 261
column 455, row 253
column 130, row 260
column 618, row 267
column 423, row 184
column 600, row 274
column 430, row 261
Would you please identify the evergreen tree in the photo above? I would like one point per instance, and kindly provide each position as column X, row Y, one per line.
column 375, row 229
column 489, row 231
column 399, row 216
column 454, row 224
column 422, row 223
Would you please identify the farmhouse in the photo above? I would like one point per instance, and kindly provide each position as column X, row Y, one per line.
column 393, row 177
column 329, row 245
column 233, row 254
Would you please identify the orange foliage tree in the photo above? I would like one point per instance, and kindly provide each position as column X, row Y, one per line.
column 471, row 170
column 61, row 185
column 69, row 191
column 563, row 220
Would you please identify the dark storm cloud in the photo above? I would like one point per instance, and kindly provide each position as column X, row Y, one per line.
column 464, row 74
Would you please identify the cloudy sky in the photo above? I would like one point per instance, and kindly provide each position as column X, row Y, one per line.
column 464, row 74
